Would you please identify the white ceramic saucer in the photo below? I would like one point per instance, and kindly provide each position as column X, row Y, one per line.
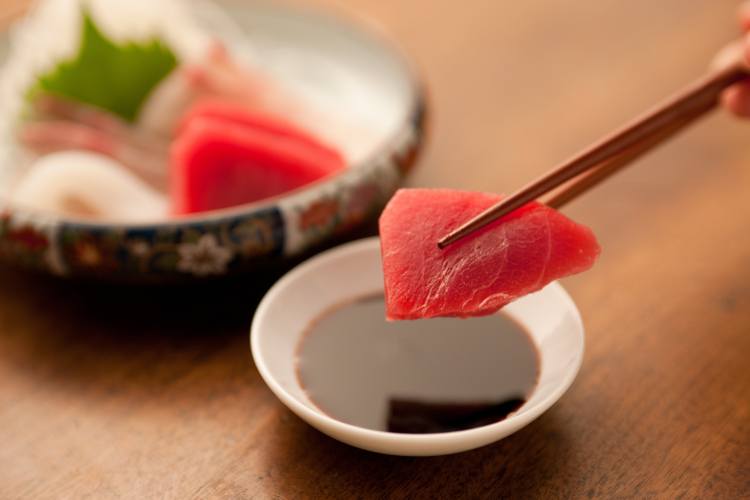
column 355, row 270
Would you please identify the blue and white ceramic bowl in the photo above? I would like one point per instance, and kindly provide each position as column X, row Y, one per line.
column 247, row 237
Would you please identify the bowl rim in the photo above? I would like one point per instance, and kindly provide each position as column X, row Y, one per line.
column 338, row 15
column 396, row 443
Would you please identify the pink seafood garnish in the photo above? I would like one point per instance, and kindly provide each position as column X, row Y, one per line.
column 218, row 77
column 63, row 125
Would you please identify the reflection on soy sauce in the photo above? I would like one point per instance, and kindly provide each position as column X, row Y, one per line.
column 436, row 375
column 417, row 417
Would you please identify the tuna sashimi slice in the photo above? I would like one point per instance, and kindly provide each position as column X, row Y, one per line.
column 225, row 156
column 476, row 276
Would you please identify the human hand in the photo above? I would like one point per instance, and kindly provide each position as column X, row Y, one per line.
column 737, row 97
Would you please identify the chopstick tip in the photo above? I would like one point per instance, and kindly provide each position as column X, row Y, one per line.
column 449, row 239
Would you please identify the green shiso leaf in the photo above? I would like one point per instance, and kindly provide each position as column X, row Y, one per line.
column 114, row 77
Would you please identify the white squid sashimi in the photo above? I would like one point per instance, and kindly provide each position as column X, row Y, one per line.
column 45, row 137
column 60, row 124
column 89, row 184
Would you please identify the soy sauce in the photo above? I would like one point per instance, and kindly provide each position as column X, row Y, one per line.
column 434, row 375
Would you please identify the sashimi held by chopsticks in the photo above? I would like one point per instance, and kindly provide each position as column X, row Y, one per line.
column 508, row 259
column 513, row 245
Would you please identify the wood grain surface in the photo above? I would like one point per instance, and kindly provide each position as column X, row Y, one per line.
column 142, row 393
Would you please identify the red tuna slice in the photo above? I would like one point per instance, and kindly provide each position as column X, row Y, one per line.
column 218, row 163
column 476, row 276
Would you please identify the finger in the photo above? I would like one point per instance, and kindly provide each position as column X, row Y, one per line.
column 737, row 99
column 743, row 13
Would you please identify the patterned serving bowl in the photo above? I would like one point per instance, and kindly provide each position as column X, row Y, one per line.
column 252, row 236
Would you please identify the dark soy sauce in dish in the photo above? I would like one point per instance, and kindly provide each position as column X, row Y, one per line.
column 433, row 375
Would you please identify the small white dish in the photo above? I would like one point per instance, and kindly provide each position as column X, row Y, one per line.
column 355, row 270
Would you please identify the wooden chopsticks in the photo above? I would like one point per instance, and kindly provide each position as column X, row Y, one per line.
column 567, row 191
column 614, row 151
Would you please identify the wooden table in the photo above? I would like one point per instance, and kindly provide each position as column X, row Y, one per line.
column 112, row 393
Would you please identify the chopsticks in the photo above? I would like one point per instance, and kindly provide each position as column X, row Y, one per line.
column 567, row 191
column 614, row 151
